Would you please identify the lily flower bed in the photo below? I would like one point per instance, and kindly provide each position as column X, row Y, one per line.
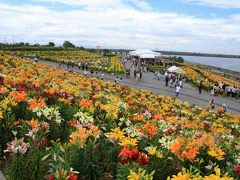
column 94, row 61
column 196, row 74
column 59, row 125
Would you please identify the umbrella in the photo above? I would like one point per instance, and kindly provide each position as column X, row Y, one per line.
column 176, row 69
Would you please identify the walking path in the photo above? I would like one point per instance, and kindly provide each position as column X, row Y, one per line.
column 2, row 176
column 188, row 93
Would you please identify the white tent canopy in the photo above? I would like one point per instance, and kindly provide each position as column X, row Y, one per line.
column 153, row 53
column 140, row 51
column 144, row 53
column 147, row 56
column 176, row 69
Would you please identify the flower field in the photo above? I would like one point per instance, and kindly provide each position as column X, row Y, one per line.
column 196, row 74
column 59, row 125
column 95, row 61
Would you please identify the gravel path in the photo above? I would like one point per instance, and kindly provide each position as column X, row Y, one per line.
column 2, row 176
column 188, row 93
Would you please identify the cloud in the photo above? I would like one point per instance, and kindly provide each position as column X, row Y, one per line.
column 141, row 4
column 24, row 9
column 85, row 3
column 124, row 26
column 217, row 3
column 102, row 4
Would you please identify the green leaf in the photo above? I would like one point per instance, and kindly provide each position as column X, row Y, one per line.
column 45, row 157
column 61, row 159
column 54, row 157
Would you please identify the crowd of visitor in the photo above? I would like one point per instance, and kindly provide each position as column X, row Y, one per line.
column 83, row 66
column 221, row 88
column 171, row 79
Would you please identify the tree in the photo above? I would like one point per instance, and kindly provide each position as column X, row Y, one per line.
column 177, row 59
column 180, row 59
column 52, row 44
column 68, row 44
column 37, row 44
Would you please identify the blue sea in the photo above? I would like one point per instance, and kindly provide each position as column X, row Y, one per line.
column 225, row 63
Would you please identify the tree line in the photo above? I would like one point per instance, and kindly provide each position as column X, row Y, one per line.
column 37, row 46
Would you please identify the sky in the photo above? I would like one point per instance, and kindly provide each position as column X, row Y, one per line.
column 207, row 26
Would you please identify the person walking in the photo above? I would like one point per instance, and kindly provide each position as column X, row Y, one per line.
column 158, row 76
column 91, row 72
column 166, row 80
column 238, row 93
column 59, row 64
column 224, row 108
column 36, row 59
column 79, row 65
column 83, row 66
column 71, row 66
column 116, row 80
column 135, row 73
column 234, row 91
column 181, row 83
column 120, row 81
column 155, row 74
column 171, row 82
column 228, row 89
column 102, row 76
column 68, row 66
column 138, row 76
column 211, row 104
column 124, row 61
column 212, row 90
column 166, row 74
column 200, row 87
column 177, row 90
